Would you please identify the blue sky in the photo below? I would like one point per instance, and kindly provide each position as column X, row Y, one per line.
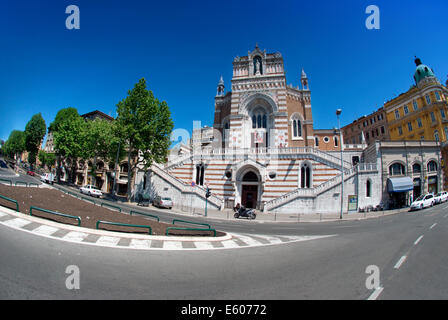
column 183, row 47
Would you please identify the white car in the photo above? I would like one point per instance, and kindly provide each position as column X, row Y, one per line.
column 91, row 190
column 423, row 201
column 441, row 197
column 47, row 177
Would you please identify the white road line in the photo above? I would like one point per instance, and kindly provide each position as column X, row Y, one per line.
column 230, row 244
column 400, row 262
column 75, row 236
column 433, row 225
column 375, row 293
column 203, row 245
column 108, row 241
column 45, row 230
column 172, row 245
column 17, row 222
column 418, row 240
column 140, row 244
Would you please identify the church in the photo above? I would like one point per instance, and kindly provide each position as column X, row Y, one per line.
column 264, row 152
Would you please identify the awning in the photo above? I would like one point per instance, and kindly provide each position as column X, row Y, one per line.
column 400, row 184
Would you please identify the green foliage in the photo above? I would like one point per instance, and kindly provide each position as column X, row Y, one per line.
column 34, row 133
column 68, row 130
column 15, row 143
column 145, row 125
column 47, row 159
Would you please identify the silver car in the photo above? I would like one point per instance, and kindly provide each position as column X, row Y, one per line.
column 163, row 202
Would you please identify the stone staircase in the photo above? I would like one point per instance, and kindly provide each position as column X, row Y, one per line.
column 310, row 192
column 184, row 187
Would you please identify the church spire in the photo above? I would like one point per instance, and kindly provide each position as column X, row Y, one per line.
column 220, row 89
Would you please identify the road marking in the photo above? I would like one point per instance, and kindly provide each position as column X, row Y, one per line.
column 375, row 293
column 433, row 225
column 203, row 245
column 75, row 236
column 140, row 244
column 17, row 222
column 45, row 230
column 108, row 241
column 400, row 262
column 230, row 244
column 172, row 245
column 418, row 240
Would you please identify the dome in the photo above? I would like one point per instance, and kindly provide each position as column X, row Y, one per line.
column 422, row 71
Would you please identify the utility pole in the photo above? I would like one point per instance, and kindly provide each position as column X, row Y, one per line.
column 338, row 113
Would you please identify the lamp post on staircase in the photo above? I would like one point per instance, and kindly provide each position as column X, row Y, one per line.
column 338, row 113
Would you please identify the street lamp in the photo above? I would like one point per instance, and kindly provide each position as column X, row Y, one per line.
column 338, row 113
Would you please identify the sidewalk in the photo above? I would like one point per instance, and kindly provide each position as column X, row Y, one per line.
column 227, row 214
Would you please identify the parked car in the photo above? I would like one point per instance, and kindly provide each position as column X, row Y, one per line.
column 31, row 173
column 47, row 177
column 423, row 201
column 441, row 197
column 164, row 202
column 91, row 190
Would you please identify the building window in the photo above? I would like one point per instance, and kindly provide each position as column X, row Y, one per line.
column 368, row 189
column 436, row 135
column 316, row 139
column 428, row 99
column 416, row 168
column 446, row 132
column 200, row 173
column 367, row 136
column 305, row 176
column 400, row 130
column 432, row 166
column 433, row 117
column 442, row 113
column 259, row 120
column 376, row 130
column 397, row 114
column 336, row 142
column 437, row 96
column 419, row 122
column 382, row 130
column 297, row 128
column 396, row 169
column 409, row 126
column 414, row 103
column 422, row 137
column 406, row 110
column 326, row 139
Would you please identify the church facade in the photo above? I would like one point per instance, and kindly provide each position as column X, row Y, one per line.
column 263, row 151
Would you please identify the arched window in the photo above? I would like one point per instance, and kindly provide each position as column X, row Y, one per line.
column 432, row 166
column 368, row 189
column 200, row 173
column 259, row 119
column 396, row 169
column 296, row 128
column 316, row 139
column 264, row 121
column 250, row 177
column 336, row 142
column 254, row 121
column 305, row 176
column 416, row 168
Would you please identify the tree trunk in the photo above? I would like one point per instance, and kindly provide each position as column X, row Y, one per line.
column 129, row 174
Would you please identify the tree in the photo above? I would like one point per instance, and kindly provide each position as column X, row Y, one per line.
column 68, row 130
column 34, row 133
column 100, row 141
column 47, row 159
column 15, row 144
column 145, row 125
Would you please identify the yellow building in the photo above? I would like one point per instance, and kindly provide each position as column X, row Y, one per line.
column 421, row 113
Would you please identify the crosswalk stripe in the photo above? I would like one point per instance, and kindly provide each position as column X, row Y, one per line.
column 172, row 245
column 203, row 245
column 230, row 244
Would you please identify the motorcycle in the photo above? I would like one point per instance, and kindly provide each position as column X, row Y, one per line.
column 243, row 212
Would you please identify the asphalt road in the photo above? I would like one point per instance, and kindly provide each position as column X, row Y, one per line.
column 408, row 249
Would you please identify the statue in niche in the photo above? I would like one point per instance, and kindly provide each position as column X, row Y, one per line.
column 257, row 66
